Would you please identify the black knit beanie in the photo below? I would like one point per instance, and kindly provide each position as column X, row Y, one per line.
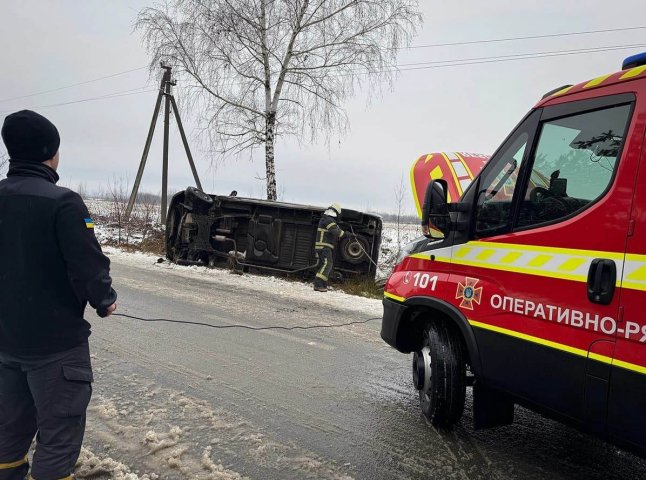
column 30, row 137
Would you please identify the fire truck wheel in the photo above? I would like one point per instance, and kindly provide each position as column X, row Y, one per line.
column 439, row 373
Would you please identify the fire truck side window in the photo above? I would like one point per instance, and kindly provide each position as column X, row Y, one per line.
column 497, row 188
column 574, row 164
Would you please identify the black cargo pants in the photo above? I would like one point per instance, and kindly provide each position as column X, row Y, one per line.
column 326, row 263
column 47, row 394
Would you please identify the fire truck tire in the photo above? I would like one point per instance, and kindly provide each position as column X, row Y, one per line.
column 443, row 389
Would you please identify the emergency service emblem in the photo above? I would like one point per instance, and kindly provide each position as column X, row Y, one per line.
column 469, row 292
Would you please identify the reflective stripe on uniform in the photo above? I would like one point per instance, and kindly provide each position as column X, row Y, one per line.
column 320, row 245
column 320, row 273
column 17, row 463
column 331, row 225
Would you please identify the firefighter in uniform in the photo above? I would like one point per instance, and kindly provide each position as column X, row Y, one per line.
column 51, row 266
column 327, row 234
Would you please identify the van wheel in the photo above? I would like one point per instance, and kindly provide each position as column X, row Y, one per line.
column 439, row 373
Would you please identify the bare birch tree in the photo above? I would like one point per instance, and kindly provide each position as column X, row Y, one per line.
column 261, row 69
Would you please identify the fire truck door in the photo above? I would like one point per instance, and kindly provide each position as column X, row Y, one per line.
column 550, row 215
column 627, row 397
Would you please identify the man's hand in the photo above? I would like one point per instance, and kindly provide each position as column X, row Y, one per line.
column 106, row 312
column 425, row 230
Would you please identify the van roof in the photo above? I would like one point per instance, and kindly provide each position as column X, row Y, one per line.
column 602, row 81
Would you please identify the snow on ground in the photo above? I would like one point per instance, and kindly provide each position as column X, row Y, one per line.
column 393, row 237
column 288, row 289
column 110, row 226
column 90, row 465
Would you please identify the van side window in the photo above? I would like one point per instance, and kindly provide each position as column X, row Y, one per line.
column 573, row 164
column 497, row 187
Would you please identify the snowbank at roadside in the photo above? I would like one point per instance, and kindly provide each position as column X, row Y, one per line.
column 276, row 286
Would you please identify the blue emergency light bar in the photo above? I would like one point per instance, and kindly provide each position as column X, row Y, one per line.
column 634, row 61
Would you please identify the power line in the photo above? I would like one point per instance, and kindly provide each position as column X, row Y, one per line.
column 413, row 66
column 73, row 85
column 123, row 93
column 529, row 55
column 529, row 37
column 468, row 42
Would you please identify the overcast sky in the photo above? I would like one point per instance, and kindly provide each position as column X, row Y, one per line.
column 53, row 43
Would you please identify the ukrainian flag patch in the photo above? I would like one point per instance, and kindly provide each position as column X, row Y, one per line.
column 89, row 223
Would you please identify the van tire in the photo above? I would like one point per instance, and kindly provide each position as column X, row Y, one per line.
column 443, row 401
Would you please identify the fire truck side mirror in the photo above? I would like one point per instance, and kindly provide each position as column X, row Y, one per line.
column 435, row 212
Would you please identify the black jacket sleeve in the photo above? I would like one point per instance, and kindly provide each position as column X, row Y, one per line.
column 87, row 267
column 335, row 229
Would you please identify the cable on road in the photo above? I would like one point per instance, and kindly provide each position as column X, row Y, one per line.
column 245, row 327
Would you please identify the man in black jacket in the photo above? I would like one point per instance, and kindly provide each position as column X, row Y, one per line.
column 327, row 234
column 51, row 266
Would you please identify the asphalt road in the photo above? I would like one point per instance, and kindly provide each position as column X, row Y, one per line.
column 187, row 402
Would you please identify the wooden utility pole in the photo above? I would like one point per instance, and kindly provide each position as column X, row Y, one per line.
column 169, row 103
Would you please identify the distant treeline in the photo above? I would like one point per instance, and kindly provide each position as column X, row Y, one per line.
column 392, row 217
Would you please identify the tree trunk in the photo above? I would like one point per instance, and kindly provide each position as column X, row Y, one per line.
column 269, row 156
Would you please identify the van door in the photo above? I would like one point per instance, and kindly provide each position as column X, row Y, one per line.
column 626, row 411
column 546, row 216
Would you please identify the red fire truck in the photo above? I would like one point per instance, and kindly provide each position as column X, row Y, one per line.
column 529, row 286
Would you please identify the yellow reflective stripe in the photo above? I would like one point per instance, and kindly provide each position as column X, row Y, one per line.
column 427, row 256
column 514, row 269
column 323, row 244
column 531, row 338
column 571, row 264
column 633, row 72
column 455, row 177
column 554, row 250
column 17, row 463
column 321, row 230
column 331, row 225
column 464, row 164
column 511, row 257
column 629, row 366
column 320, row 273
column 463, row 252
column 486, row 254
column 560, row 346
column 551, row 262
column 394, row 297
column 412, row 184
column 597, row 81
column 562, row 91
column 539, row 260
